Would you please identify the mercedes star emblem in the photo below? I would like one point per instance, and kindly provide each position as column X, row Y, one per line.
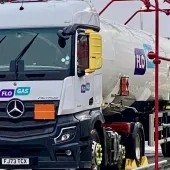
column 15, row 109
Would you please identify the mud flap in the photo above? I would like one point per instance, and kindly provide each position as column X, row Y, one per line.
column 144, row 161
column 130, row 164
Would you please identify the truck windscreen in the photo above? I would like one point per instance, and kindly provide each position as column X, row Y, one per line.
column 45, row 54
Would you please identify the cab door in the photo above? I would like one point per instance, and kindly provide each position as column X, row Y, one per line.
column 84, row 82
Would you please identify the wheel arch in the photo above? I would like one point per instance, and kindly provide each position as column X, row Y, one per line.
column 97, row 121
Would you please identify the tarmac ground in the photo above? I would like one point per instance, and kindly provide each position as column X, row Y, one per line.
column 150, row 153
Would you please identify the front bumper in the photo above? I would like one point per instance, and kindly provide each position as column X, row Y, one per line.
column 43, row 151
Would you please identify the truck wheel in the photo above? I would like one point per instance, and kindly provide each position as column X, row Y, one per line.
column 165, row 149
column 134, row 146
column 96, row 150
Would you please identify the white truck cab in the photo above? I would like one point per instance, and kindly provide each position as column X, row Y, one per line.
column 50, row 89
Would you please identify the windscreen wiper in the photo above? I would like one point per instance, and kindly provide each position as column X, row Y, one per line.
column 22, row 54
column 2, row 39
column 24, row 50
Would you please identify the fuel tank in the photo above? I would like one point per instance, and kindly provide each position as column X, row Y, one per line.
column 125, row 53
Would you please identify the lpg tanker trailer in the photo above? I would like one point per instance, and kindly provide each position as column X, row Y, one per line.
column 76, row 90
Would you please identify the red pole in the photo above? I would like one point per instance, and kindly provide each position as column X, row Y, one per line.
column 132, row 17
column 156, row 62
column 106, row 7
column 166, row 11
column 151, row 56
column 145, row 10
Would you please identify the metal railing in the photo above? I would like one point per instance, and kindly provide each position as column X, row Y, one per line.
column 162, row 166
column 160, row 128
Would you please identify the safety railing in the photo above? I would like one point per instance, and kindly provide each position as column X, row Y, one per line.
column 161, row 166
column 163, row 126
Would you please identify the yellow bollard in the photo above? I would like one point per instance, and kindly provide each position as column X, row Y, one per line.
column 130, row 164
column 144, row 161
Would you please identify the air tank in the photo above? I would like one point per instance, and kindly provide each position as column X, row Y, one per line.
column 125, row 53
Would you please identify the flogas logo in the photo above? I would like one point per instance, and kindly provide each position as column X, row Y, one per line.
column 140, row 62
column 85, row 87
column 22, row 91
column 19, row 91
column 6, row 93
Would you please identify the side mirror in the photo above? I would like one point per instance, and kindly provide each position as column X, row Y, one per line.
column 62, row 42
column 62, row 38
column 95, row 51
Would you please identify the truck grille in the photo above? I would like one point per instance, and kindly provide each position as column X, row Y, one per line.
column 24, row 126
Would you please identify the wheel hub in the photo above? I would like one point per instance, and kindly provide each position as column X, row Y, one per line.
column 96, row 155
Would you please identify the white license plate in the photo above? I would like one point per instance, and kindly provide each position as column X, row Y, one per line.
column 15, row 161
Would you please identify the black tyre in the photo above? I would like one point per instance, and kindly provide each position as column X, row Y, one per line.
column 165, row 149
column 135, row 146
column 96, row 147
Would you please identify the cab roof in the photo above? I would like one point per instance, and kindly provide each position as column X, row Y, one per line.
column 52, row 13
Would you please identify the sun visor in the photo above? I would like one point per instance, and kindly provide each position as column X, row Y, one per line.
column 87, row 17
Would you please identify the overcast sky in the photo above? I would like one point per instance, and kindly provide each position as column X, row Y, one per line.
column 121, row 11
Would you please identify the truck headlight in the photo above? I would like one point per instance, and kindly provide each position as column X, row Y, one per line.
column 66, row 134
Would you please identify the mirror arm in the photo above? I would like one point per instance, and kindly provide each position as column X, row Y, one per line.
column 80, row 72
column 61, row 35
